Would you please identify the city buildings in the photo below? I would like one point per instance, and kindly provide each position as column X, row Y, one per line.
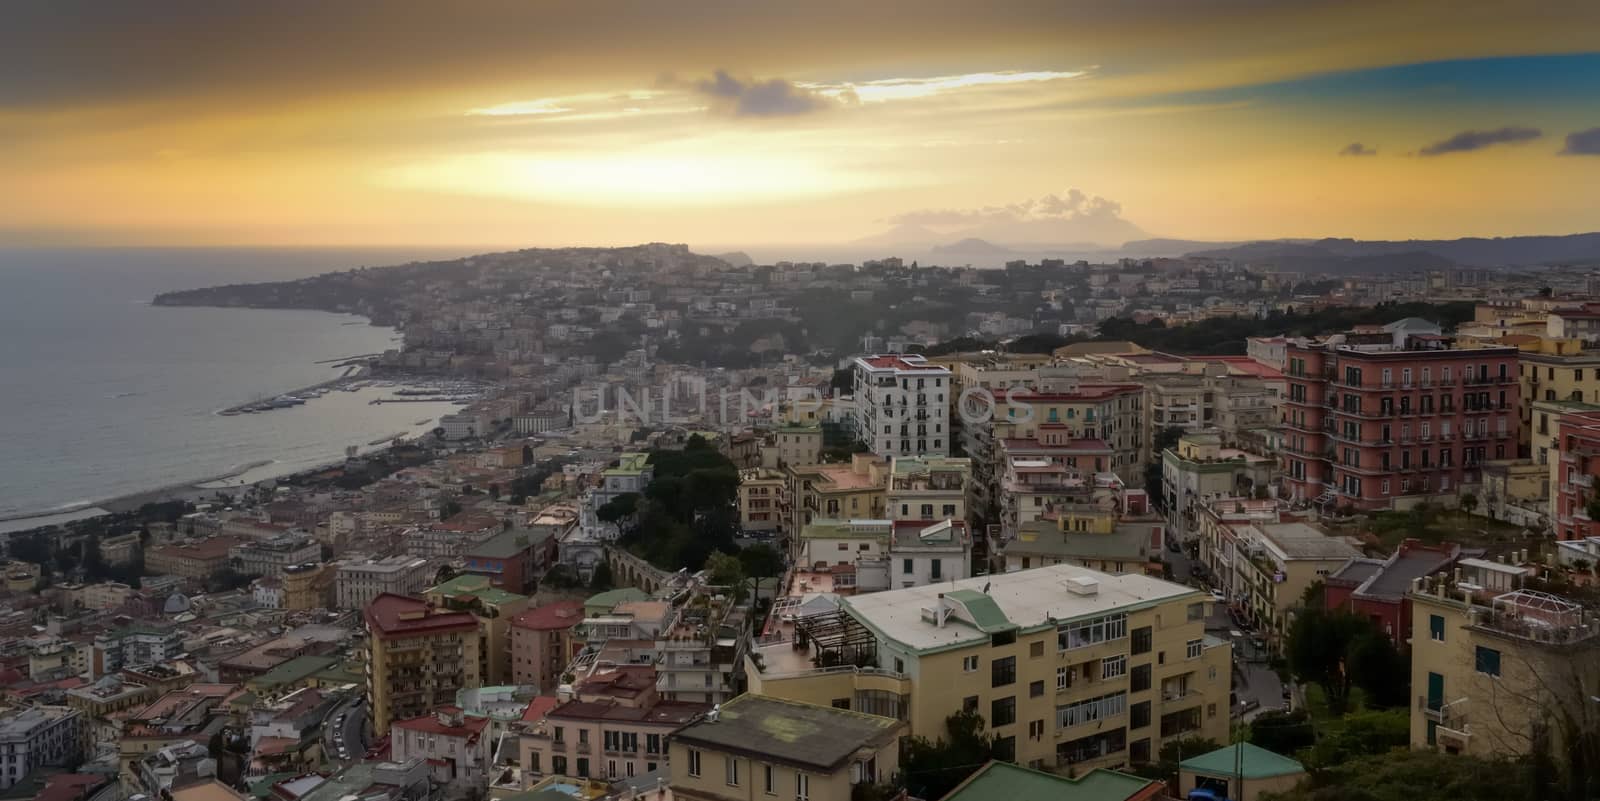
column 1574, row 463
column 270, row 557
column 1108, row 538
column 1070, row 667
column 756, row 746
column 37, row 737
column 360, row 581
column 455, row 745
column 514, row 560
column 928, row 488
column 197, row 560
column 1201, row 470
column 1263, row 567
column 760, row 499
column 416, row 658
column 1382, row 418
column 1377, row 589
column 853, row 490
column 614, row 727
column 543, row 642
column 494, row 609
column 1500, row 671
column 902, row 405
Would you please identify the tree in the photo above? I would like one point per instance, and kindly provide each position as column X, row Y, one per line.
column 1338, row 650
column 1359, row 734
column 724, row 570
column 619, row 508
column 1283, row 732
column 1469, row 502
column 449, row 509
column 1420, row 775
column 761, row 561
column 933, row 769
column 1165, row 768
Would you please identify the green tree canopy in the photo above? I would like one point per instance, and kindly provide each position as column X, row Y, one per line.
column 933, row 768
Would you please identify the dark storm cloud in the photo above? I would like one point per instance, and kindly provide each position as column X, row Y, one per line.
column 1357, row 149
column 1583, row 143
column 749, row 98
column 1477, row 140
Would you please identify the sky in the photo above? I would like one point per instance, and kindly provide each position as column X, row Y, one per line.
column 741, row 124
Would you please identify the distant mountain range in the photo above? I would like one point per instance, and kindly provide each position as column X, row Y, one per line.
column 1077, row 234
column 1331, row 255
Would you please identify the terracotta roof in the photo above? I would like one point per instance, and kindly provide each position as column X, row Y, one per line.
column 469, row 729
column 550, row 617
column 539, row 707
column 391, row 614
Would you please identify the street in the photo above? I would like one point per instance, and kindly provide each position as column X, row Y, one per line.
column 344, row 732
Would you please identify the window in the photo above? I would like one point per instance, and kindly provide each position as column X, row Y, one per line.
column 583, row 766
column 1140, row 680
column 1436, row 628
column 694, row 762
column 1003, row 711
column 1036, row 648
column 732, row 770
column 1036, row 689
column 1487, row 661
column 1003, row 671
column 1035, row 729
column 938, row 569
column 1090, row 710
column 905, row 566
column 1196, row 611
column 1084, row 633
column 1141, row 640
column 1139, row 715
column 1113, row 667
column 769, row 780
column 1195, row 649
column 969, row 704
column 802, row 787
column 969, row 664
column 1063, row 678
column 560, row 734
column 558, row 765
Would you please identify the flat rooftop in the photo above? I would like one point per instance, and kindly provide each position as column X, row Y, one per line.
column 1027, row 599
column 1301, row 541
column 819, row 738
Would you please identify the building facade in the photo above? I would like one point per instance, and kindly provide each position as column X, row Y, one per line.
column 902, row 405
column 416, row 658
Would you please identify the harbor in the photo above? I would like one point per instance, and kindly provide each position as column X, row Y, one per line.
column 422, row 390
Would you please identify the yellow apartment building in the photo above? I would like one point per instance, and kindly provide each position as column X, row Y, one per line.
column 1069, row 667
column 417, row 656
column 760, row 494
column 1500, row 673
column 843, row 491
column 494, row 610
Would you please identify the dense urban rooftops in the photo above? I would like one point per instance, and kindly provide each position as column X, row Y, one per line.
column 804, row 735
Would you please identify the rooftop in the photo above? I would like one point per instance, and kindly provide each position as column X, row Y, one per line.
column 1000, row 780
column 1302, row 541
column 609, row 599
column 1043, row 596
column 1249, row 761
column 391, row 614
column 665, row 713
column 470, row 727
column 551, row 616
column 805, row 735
column 477, row 586
column 212, row 790
column 1127, row 542
column 511, row 543
column 901, row 362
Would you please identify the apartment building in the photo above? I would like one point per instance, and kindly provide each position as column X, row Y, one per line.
column 192, row 561
column 1377, row 589
column 1379, row 419
column 543, row 642
column 1554, row 370
column 1032, row 486
column 902, row 405
column 853, row 490
column 417, row 656
column 1265, row 568
column 270, row 557
column 38, row 737
column 514, row 560
column 360, row 581
column 1113, row 540
column 307, row 586
column 1200, row 470
column 1069, row 667
column 798, row 444
column 928, row 488
column 1574, row 462
column 701, row 647
column 494, row 610
column 760, row 499
column 457, row 746
column 760, row 747
column 1500, row 672
column 613, row 727
column 137, row 644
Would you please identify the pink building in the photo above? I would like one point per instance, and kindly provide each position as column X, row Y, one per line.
column 542, row 643
column 454, row 745
column 614, row 725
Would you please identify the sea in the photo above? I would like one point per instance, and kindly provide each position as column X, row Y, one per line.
column 103, row 395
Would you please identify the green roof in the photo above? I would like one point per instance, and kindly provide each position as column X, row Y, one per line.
column 1001, row 780
column 295, row 670
column 629, row 464
column 261, row 786
column 608, row 600
column 1253, row 763
column 829, row 528
column 476, row 586
column 790, row 732
column 984, row 611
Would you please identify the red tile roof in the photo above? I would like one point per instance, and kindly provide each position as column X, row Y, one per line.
column 391, row 615
column 551, row 617
column 885, row 362
column 539, row 707
column 469, row 729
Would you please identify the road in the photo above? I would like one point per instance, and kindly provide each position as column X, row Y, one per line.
column 351, row 732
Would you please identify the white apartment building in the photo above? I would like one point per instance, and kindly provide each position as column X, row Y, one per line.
column 358, row 582
column 902, row 405
column 269, row 557
column 33, row 738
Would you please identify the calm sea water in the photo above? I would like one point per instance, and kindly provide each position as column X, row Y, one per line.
column 102, row 394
